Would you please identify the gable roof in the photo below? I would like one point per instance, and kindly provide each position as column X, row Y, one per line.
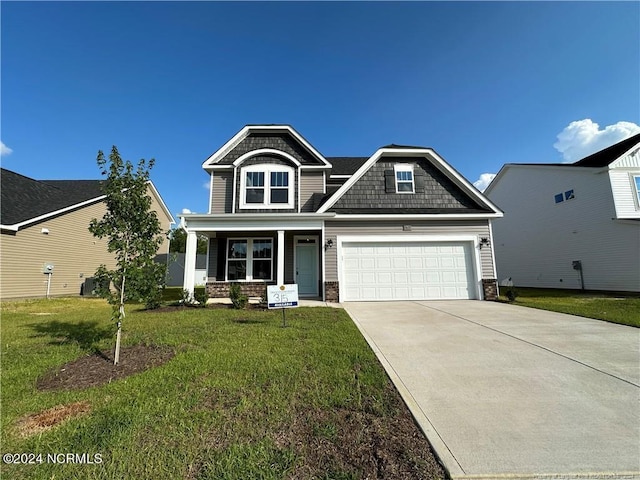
column 418, row 152
column 25, row 201
column 216, row 159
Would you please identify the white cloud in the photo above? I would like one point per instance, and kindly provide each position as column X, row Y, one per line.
column 186, row 211
column 483, row 182
column 4, row 150
column 206, row 185
column 584, row 137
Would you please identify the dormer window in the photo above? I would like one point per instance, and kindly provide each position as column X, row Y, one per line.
column 267, row 186
column 404, row 178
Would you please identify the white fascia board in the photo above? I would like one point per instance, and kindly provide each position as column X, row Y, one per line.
column 410, row 152
column 247, row 222
column 161, row 202
column 15, row 227
column 418, row 216
column 266, row 151
column 18, row 226
column 238, row 137
column 222, row 151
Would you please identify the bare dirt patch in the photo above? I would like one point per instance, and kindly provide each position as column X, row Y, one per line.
column 98, row 368
column 46, row 420
column 360, row 444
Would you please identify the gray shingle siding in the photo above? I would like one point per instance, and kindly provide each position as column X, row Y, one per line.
column 439, row 193
column 282, row 142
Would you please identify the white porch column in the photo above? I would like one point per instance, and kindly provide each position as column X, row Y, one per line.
column 190, row 263
column 280, row 267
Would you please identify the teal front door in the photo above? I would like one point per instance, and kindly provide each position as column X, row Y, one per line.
column 307, row 268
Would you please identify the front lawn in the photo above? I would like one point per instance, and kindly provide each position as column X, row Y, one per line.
column 239, row 397
column 617, row 308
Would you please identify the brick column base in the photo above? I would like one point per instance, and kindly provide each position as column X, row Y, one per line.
column 250, row 289
column 490, row 287
column 331, row 292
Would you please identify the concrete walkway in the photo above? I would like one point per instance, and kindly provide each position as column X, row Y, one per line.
column 508, row 392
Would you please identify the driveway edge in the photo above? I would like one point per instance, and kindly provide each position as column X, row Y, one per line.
column 446, row 458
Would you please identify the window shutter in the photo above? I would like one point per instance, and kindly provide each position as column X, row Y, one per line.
column 419, row 180
column 389, row 181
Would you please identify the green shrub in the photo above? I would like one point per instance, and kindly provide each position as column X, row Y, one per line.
column 238, row 299
column 200, row 295
column 511, row 293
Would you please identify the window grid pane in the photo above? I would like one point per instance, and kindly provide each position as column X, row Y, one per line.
column 262, row 269
column 262, row 249
column 255, row 195
column 404, row 176
column 255, row 179
column 279, row 195
column 279, row 179
column 237, row 249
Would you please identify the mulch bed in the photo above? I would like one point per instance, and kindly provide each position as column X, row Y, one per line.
column 98, row 368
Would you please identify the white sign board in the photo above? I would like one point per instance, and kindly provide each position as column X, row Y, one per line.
column 282, row 296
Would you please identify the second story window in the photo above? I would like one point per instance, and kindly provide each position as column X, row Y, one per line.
column 404, row 179
column 266, row 186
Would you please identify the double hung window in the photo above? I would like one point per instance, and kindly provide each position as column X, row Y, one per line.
column 267, row 186
column 250, row 259
column 404, row 179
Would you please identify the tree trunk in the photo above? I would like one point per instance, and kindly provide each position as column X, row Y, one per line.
column 116, row 357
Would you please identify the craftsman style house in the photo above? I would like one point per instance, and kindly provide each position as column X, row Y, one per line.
column 399, row 225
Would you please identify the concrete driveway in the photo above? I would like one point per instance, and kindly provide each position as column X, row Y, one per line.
column 510, row 392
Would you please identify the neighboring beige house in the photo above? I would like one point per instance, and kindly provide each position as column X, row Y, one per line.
column 44, row 223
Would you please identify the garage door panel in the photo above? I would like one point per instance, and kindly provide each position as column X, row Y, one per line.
column 367, row 263
column 407, row 271
column 383, row 262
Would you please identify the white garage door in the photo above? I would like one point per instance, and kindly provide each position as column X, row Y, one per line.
column 407, row 271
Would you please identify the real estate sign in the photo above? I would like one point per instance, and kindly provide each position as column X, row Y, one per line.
column 282, row 296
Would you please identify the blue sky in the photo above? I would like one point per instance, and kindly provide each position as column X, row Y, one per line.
column 483, row 83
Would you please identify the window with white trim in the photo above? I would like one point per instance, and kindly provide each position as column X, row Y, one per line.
column 249, row 259
column 636, row 183
column 404, row 178
column 267, row 186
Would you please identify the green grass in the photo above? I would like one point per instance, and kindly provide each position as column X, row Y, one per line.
column 223, row 408
column 617, row 308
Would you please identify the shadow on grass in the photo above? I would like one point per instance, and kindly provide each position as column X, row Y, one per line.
column 85, row 334
column 248, row 321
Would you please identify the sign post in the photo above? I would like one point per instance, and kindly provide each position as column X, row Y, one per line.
column 282, row 296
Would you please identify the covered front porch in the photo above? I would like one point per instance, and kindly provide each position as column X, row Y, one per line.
column 257, row 250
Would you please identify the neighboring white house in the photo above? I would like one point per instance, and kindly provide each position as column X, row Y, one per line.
column 558, row 214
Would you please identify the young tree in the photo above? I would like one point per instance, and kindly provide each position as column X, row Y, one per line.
column 134, row 235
